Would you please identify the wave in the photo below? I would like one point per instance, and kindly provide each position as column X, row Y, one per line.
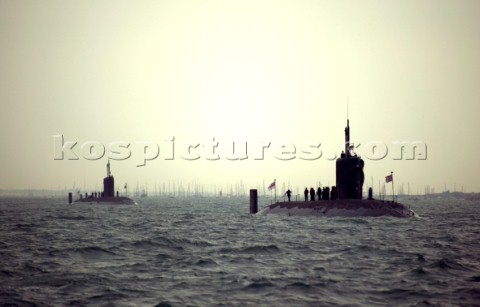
column 147, row 243
column 6, row 273
column 163, row 256
column 298, row 285
column 90, row 252
column 206, row 263
column 259, row 285
column 447, row 264
column 419, row 271
column 107, row 295
column 259, row 249
column 71, row 218
column 474, row 278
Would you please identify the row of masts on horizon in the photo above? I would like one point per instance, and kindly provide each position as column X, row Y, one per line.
column 192, row 189
column 173, row 190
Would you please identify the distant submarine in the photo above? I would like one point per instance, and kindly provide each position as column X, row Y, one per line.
column 346, row 198
column 107, row 196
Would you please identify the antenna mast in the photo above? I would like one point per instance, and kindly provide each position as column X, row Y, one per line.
column 347, row 135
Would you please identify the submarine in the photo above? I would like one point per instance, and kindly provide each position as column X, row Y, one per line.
column 107, row 196
column 346, row 197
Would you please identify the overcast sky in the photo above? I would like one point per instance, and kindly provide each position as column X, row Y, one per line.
column 259, row 72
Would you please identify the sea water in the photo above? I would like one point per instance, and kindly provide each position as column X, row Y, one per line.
column 210, row 251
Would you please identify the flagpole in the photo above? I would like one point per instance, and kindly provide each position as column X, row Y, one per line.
column 393, row 189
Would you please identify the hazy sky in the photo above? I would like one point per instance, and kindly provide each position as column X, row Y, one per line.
column 243, row 71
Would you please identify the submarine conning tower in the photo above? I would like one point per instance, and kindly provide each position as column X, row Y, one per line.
column 349, row 171
column 108, row 183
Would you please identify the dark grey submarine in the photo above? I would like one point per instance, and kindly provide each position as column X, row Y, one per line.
column 107, row 196
column 346, row 198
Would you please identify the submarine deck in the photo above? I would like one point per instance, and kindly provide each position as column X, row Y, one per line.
column 107, row 200
column 340, row 207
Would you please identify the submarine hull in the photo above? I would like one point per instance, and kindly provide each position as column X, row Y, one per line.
column 340, row 207
column 107, row 201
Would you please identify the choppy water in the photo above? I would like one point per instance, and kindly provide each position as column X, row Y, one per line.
column 210, row 251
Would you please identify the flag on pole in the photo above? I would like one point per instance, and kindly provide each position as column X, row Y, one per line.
column 389, row 178
column 271, row 186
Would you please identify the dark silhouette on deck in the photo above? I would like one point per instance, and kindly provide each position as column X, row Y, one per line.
column 288, row 193
column 312, row 194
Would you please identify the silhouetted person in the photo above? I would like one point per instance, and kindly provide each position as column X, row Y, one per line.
column 289, row 193
column 370, row 193
column 333, row 194
column 117, row 193
column 312, row 194
column 306, row 194
column 319, row 193
column 326, row 193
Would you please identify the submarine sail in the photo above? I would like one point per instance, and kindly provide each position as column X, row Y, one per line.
column 349, row 171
